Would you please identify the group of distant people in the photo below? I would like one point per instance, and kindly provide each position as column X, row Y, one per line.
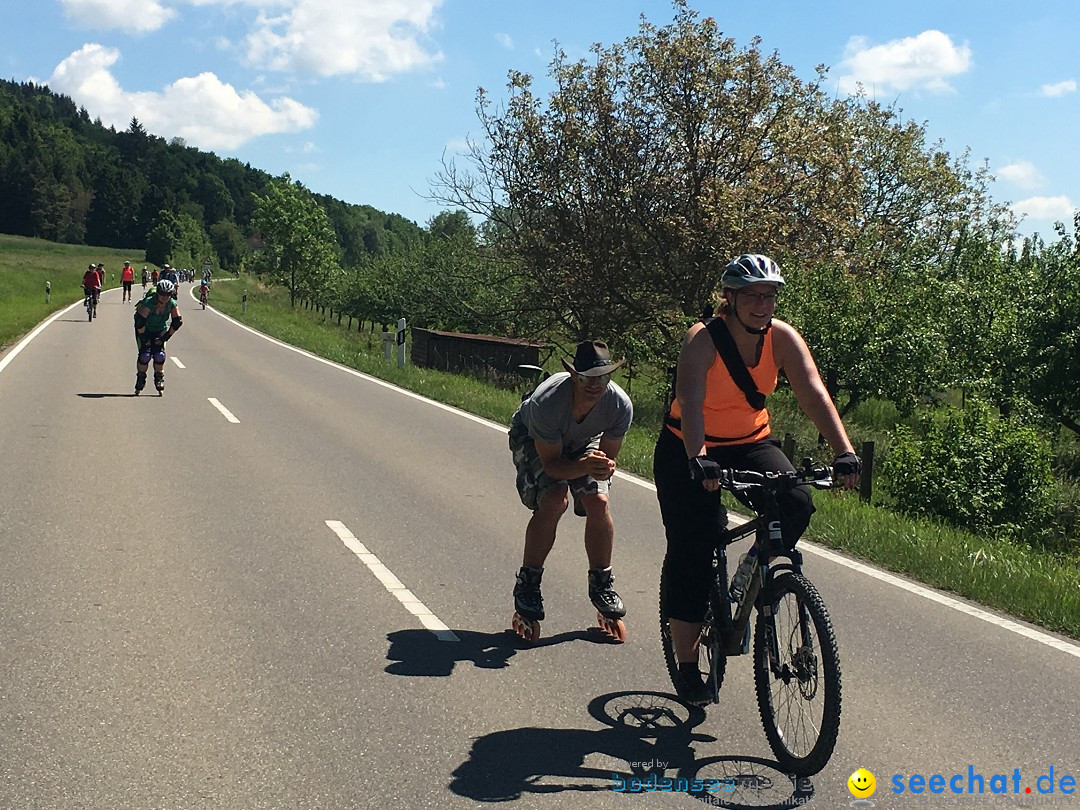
column 157, row 315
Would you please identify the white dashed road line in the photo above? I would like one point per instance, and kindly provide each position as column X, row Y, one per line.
column 224, row 411
column 392, row 583
column 178, row 363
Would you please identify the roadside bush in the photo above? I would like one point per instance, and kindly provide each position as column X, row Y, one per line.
column 968, row 466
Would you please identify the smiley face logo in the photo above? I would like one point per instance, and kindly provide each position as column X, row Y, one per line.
column 862, row 784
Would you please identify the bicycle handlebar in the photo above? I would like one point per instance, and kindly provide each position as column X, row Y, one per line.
column 818, row 476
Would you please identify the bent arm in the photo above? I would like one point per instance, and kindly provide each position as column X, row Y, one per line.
column 810, row 391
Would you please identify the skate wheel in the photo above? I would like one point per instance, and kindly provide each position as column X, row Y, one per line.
column 528, row 629
column 615, row 628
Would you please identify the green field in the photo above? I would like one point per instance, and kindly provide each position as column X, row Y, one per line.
column 1034, row 585
column 27, row 265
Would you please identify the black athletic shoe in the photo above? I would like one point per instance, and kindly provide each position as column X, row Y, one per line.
column 691, row 688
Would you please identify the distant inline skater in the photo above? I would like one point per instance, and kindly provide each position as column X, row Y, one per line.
column 127, row 278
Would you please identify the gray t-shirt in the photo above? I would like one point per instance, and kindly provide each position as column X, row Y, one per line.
column 546, row 415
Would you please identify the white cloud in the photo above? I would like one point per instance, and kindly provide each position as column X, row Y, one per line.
column 923, row 62
column 372, row 40
column 505, row 40
column 1059, row 89
column 1022, row 173
column 127, row 15
column 203, row 110
column 1056, row 208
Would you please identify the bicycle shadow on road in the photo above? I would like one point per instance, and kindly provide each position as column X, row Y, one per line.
column 649, row 741
column 419, row 653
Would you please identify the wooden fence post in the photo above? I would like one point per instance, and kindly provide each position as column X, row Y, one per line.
column 789, row 447
column 866, row 482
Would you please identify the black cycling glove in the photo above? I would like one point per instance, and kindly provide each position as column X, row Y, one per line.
column 847, row 464
column 703, row 468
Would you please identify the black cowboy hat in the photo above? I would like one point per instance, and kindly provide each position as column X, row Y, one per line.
column 592, row 359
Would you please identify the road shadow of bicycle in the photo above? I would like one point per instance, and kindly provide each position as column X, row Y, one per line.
column 420, row 653
column 649, row 739
column 103, row 396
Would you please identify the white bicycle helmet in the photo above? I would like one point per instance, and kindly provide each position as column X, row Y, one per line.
column 750, row 268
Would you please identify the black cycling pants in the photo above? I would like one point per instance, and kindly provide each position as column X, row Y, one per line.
column 694, row 518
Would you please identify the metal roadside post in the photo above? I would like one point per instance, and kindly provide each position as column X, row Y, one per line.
column 48, row 292
column 243, row 302
column 401, row 343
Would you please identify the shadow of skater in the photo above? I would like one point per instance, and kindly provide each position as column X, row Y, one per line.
column 419, row 652
column 103, row 396
column 647, row 732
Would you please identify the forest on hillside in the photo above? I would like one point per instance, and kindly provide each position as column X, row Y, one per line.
column 67, row 178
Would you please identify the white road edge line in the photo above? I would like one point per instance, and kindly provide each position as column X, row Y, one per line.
column 919, row 590
column 224, row 411
column 7, row 358
column 392, row 583
column 178, row 363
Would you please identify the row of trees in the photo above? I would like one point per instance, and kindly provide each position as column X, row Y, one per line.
column 609, row 207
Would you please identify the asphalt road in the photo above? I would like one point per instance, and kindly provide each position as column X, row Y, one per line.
column 204, row 612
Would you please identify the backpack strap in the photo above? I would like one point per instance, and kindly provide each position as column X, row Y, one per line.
column 729, row 353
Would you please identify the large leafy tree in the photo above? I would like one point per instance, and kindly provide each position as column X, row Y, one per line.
column 299, row 248
column 1051, row 319
column 623, row 193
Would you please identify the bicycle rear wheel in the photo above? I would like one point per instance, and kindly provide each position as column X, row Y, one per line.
column 797, row 674
column 712, row 660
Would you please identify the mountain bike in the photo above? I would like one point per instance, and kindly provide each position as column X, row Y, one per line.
column 88, row 302
column 795, row 659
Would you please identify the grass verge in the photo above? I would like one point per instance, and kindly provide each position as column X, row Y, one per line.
column 26, row 265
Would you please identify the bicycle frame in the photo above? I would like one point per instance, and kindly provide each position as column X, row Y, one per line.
column 734, row 620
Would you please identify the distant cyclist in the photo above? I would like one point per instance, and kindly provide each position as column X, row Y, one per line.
column 204, row 290
column 170, row 274
column 156, row 320
column 145, row 278
column 92, row 286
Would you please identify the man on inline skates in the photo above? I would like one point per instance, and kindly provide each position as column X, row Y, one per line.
column 565, row 437
column 156, row 320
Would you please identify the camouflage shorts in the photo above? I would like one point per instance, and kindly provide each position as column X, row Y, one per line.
column 533, row 482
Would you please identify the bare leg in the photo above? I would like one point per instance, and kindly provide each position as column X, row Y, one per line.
column 540, row 533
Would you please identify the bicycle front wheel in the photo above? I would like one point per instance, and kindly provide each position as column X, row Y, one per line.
column 797, row 674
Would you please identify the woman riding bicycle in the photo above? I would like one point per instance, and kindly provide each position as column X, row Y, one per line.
column 715, row 423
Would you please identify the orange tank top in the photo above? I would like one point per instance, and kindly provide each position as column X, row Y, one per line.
column 729, row 419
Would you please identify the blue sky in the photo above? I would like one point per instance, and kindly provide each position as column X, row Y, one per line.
column 359, row 99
